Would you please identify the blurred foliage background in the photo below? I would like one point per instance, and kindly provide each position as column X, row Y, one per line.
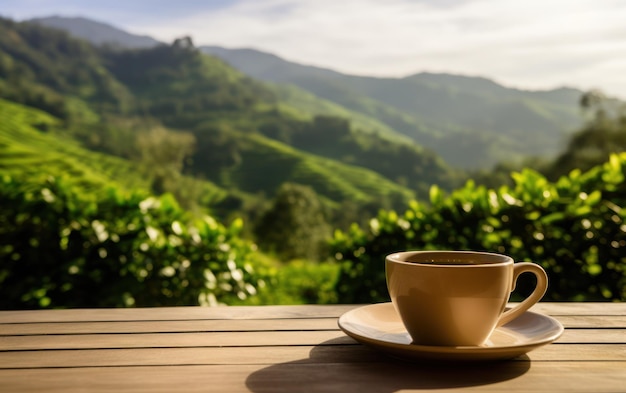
column 164, row 177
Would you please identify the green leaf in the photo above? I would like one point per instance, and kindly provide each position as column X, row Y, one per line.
column 552, row 217
column 533, row 215
column 594, row 270
column 436, row 195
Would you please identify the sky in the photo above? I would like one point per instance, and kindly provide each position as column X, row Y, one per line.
column 528, row 44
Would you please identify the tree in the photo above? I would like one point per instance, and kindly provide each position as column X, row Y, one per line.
column 295, row 225
column 603, row 134
column 163, row 154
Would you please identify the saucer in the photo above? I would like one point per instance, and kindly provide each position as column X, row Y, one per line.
column 379, row 326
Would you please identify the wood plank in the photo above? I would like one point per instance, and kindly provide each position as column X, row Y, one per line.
column 239, row 339
column 585, row 321
column 608, row 336
column 175, row 313
column 182, row 356
column 265, row 355
column 580, row 308
column 170, row 340
column 380, row 377
column 244, row 325
column 255, row 312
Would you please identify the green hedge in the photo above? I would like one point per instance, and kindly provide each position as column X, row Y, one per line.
column 575, row 228
column 60, row 248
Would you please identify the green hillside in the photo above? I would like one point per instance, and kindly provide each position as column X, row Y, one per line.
column 268, row 164
column 30, row 148
column 233, row 121
column 189, row 90
column 303, row 102
column 35, row 146
column 183, row 87
column 47, row 69
column 471, row 122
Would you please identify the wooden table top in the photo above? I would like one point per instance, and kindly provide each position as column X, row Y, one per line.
column 283, row 349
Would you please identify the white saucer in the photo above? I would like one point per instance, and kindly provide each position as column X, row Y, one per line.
column 379, row 326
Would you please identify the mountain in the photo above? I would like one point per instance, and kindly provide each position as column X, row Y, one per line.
column 97, row 33
column 291, row 97
column 46, row 69
column 246, row 140
column 470, row 121
column 31, row 148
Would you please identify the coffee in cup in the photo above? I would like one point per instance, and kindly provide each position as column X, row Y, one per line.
column 457, row 298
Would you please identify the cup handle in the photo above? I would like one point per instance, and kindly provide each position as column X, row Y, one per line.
column 534, row 297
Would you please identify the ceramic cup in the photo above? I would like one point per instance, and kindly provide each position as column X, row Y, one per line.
column 456, row 298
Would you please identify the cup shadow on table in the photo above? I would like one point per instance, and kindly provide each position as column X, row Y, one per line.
column 338, row 365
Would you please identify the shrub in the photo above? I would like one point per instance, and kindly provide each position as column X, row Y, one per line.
column 575, row 228
column 59, row 248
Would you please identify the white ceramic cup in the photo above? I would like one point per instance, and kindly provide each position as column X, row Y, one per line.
column 457, row 298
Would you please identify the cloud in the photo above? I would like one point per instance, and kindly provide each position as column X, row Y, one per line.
column 530, row 44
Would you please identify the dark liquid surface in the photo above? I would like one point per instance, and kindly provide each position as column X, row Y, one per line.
column 448, row 262
column 443, row 258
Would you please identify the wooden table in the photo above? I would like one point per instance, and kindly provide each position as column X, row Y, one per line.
column 283, row 349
